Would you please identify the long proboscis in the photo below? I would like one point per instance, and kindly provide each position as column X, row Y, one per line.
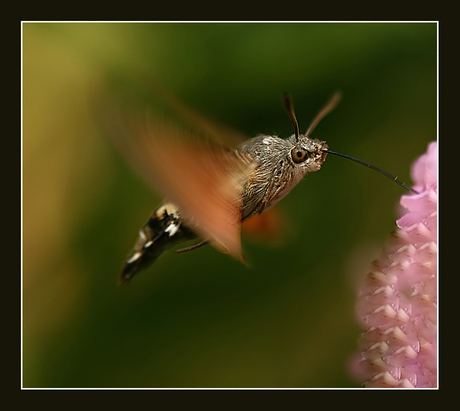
column 379, row 170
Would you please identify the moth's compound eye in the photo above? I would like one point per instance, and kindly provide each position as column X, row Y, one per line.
column 299, row 155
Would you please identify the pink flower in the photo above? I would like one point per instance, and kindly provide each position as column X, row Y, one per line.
column 397, row 303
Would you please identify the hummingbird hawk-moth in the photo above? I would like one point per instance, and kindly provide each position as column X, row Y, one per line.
column 211, row 189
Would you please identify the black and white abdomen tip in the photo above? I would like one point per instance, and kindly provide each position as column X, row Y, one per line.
column 162, row 231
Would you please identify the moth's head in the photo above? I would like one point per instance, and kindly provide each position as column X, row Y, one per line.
column 307, row 153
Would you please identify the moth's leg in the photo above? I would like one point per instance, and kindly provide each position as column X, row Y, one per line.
column 193, row 247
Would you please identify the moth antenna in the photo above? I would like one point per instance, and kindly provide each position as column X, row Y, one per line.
column 289, row 106
column 330, row 105
column 379, row 170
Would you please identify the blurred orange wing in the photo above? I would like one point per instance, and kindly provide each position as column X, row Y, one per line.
column 204, row 181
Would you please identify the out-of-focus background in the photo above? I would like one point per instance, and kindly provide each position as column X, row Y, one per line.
column 201, row 319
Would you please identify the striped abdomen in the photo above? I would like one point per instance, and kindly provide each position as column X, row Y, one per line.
column 163, row 230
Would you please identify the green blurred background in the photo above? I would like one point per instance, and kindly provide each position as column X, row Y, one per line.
column 201, row 319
